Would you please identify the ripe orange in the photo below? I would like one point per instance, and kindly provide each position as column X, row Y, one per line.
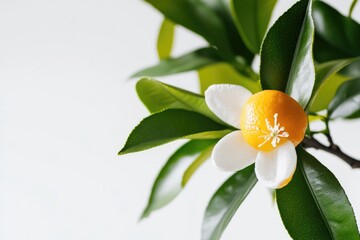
column 271, row 117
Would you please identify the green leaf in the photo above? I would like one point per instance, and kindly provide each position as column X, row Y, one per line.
column 158, row 96
column 314, row 205
column 199, row 18
column 326, row 92
column 324, row 72
column 222, row 9
column 168, row 183
column 346, row 103
column 252, row 18
column 165, row 39
column 341, row 32
column 196, row 165
column 170, row 125
column 286, row 54
column 225, row 73
column 337, row 37
column 225, row 202
column 188, row 62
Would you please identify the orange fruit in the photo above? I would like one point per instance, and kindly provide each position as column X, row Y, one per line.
column 271, row 117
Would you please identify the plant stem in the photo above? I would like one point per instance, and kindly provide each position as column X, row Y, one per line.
column 352, row 7
column 311, row 142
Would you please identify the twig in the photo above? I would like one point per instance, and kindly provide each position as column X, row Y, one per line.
column 311, row 142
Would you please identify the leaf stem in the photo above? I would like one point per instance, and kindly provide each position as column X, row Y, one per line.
column 353, row 4
column 311, row 142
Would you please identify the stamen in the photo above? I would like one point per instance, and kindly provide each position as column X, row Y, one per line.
column 274, row 132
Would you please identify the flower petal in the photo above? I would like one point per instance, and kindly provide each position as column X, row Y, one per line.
column 226, row 101
column 276, row 168
column 233, row 153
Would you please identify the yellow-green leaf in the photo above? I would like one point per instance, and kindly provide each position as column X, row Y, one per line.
column 165, row 39
column 225, row 73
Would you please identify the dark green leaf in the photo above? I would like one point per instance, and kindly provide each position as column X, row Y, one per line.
column 170, row 125
column 286, row 55
column 252, row 18
column 226, row 201
column 324, row 72
column 188, row 62
column 199, row 18
column 314, row 205
column 341, row 32
column 222, row 8
column 158, row 96
column 168, row 183
column 165, row 39
column 337, row 37
column 225, row 73
column 346, row 103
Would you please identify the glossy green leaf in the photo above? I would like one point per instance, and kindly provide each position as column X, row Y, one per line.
column 324, row 72
column 158, row 96
column 168, row 183
column 170, row 125
column 314, row 205
column 337, row 37
column 326, row 92
column 225, row 202
column 341, row 32
column 199, row 18
column 188, row 62
column 252, row 18
column 286, row 54
column 346, row 103
column 222, row 8
column 165, row 39
column 198, row 162
column 225, row 73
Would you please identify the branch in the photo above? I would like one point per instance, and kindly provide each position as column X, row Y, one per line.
column 310, row 142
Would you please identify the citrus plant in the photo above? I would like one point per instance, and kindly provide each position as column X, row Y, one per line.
column 255, row 124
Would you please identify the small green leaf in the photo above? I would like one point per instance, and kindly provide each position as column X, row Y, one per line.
column 314, row 205
column 170, row 125
column 286, row 55
column 188, row 62
column 337, row 37
column 324, row 72
column 168, row 183
column 158, row 96
column 196, row 165
column 225, row 73
column 165, row 39
column 346, row 103
column 225, row 202
column 199, row 18
column 252, row 19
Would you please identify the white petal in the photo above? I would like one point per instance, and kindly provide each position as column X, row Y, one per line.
column 233, row 153
column 276, row 168
column 226, row 101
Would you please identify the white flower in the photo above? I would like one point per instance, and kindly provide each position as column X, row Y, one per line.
column 273, row 168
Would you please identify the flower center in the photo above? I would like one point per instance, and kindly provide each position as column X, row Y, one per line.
column 273, row 133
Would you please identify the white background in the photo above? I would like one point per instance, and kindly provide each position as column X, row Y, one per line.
column 66, row 108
